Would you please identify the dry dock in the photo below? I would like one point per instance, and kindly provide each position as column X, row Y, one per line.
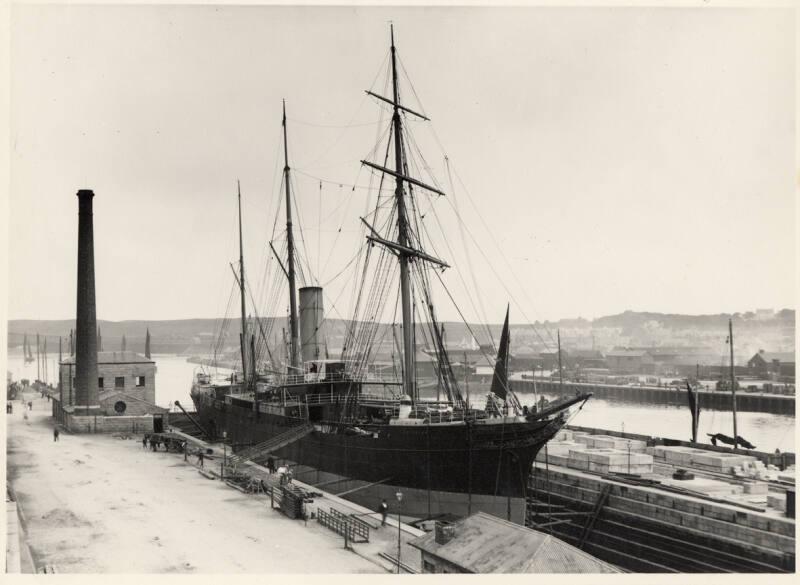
column 628, row 508
column 102, row 503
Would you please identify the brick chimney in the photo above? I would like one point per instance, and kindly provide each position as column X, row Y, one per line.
column 86, row 401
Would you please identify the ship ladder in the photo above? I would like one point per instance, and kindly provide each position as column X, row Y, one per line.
column 590, row 522
column 265, row 448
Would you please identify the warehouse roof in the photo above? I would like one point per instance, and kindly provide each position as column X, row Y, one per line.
column 483, row 543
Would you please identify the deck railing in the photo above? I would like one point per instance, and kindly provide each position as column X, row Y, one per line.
column 309, row 377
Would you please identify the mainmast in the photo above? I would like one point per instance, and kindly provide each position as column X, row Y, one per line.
column 402, row 226
column 241, row 291
column 294, row 360
column 733, row 383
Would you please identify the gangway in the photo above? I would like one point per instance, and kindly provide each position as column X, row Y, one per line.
column 263, row 449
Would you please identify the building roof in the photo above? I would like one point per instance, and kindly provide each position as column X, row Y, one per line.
column 586, row 353
column 553, row 353
column 115, row 357
column 784, row 357
column 626, row 353
column 486, row 544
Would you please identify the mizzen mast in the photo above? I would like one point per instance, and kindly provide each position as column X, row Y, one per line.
column 294, row 360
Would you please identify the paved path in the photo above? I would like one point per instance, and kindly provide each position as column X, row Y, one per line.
column 99, row 503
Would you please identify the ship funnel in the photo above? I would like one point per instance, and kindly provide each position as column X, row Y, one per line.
column 311, row 316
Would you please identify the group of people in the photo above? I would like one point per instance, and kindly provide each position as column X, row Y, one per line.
column 154, row 442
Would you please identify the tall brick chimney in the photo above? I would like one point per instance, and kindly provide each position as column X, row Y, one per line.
column 86, row 401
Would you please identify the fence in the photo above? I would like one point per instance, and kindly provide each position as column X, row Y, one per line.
column 353, row 529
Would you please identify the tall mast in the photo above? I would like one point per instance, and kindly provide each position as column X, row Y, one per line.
column 560, row 371
column 402, row 226
column 241, row 292
column 294, row 360
column 733, row 383
column 38, row 360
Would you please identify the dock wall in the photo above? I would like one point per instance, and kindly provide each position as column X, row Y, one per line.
column 708, row 399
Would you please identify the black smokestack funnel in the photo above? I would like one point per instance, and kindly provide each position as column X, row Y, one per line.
column 86, row 321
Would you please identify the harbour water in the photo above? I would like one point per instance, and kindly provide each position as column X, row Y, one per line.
column 766, row 431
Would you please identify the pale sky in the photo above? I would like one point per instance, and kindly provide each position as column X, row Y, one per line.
column 635, row 158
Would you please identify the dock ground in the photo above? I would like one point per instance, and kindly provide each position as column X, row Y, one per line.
column 103, row 504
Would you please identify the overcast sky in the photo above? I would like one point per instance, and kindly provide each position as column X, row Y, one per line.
column 607, row 159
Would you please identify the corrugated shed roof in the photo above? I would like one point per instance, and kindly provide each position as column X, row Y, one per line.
column 486, row 544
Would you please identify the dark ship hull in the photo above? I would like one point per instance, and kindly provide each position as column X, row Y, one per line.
column 488, row 457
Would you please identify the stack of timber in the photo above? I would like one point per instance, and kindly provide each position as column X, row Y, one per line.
column 620, row 504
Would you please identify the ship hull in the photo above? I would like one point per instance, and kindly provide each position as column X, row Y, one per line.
column 474, row 459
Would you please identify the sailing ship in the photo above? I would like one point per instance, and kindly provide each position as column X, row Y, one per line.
column 26, row 350
column 349, row 423
column 736, row 440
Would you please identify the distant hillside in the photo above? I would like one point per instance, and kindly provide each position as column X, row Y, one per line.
column 764, row 329
column 633, row 319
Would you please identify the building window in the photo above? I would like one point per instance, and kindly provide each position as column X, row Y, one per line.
column 99, row 382
column 140, row 381
column 119, row 382
column 428, row 567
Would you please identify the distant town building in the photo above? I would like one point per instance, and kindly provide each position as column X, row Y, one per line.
column 774, row 365
column 549, row 359
column 630, row 361
column 587, row 358
column 485, row 544
column 765, row 314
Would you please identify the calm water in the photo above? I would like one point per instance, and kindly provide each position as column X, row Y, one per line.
column 766, row 431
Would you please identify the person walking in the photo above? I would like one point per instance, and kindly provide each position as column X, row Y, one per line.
column 55, row 434
column 185, row 448
column 384, row 510
column 200, row 458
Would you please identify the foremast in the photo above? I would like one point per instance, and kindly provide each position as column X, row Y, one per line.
column 243, row 337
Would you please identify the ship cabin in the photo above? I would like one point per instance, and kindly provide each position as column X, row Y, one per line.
column 324, row 389
column 218, row 386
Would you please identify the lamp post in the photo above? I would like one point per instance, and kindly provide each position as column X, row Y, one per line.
column 399, row 495
column 224, row 452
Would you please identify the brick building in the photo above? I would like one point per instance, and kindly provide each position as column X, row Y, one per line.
column 122, row 376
